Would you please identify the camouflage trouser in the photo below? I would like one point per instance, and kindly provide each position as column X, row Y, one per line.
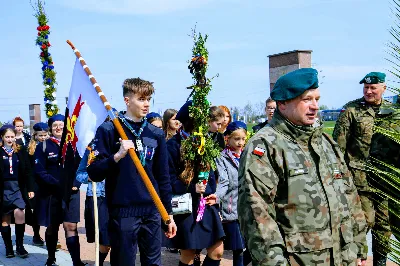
column 367, row 205
column 325, row 257
column 381, row 231
column 376, row 213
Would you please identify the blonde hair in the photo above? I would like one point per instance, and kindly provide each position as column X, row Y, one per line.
column 14, row 146
column 32, row 144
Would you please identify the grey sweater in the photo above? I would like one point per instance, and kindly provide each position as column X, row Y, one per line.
column 227, row 188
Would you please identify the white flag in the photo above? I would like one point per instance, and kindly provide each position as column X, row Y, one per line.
column 85, row 111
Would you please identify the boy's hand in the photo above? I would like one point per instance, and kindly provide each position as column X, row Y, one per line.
column 123, row 149
column 171, row 228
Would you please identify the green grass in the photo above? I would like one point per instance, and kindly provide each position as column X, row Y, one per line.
column 328, row 127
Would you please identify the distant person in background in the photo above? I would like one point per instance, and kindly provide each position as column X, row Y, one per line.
column 227, row 118
column 216, row 118
column 270, row 106
column 16, row 181
column 170, row 124
column 22, row 138
column 40, row 134
column 155, row 119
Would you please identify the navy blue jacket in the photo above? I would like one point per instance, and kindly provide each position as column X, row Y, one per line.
column 24, row 172
column 48, row 170
column 126, row 192
column 176, row 167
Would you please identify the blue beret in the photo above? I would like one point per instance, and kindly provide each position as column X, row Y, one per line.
column 374, row 78
column 294, row 83
column 6, row 126
column 41, row 127
column 183, row 113
column 233, row 126
column 54, row 118
column 153, row 115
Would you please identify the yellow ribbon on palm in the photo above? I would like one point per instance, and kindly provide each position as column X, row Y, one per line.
column 201, row 149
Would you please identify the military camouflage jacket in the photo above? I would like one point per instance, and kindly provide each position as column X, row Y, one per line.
column 297, row 200
column 353, row 132
column 385, row 149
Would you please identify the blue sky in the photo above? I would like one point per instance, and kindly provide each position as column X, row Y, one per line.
column 149, row 39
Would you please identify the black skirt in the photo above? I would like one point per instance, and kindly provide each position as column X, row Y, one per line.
column 48, row 208
column 103, row 220
column 12, row 198
column 197, row 235
column 234, row 239
column 72, row 208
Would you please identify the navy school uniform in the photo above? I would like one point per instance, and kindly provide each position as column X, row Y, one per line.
column 50, row 208
column 192, row 234
column 30, row 213
column 134, row 219
column 17, row 180
column 24, row 141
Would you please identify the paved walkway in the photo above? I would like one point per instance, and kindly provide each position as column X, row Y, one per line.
column 38, row 255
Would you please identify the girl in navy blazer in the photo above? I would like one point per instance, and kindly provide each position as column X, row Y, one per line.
column 16, row 175
column 51, row 211
column 191, row 235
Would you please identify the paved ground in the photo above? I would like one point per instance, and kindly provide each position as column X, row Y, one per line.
column 38, row 255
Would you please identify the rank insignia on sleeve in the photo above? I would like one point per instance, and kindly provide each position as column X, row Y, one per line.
column 259, row 151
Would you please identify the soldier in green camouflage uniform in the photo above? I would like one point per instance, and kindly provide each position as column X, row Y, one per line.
column 297, row 202
column 353, row 132
column 386, row 150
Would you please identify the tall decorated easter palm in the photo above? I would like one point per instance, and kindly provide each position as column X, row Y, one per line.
column 199, row 151
column 48, row 72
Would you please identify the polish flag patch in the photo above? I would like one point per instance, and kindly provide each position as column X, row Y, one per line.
column 259, row 151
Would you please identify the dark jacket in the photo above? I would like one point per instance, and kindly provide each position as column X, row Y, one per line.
column 27, row 139
column 126, row 192
column 25, row 175
column 259, row 126
column 176, row 167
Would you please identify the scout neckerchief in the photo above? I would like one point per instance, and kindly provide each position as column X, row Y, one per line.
column 10, row 154
column 138, row 141
column 56, row 141
column 183, row 134
column 235, row 157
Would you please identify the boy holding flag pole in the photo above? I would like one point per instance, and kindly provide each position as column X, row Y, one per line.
column 132, row 189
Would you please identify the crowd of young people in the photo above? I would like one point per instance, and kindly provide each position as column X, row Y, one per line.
column 34, row 189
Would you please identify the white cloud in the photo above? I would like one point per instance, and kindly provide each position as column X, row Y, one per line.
column 133, row 6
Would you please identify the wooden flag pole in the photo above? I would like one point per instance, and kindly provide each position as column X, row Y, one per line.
column 96, row 224
column 153, row 193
